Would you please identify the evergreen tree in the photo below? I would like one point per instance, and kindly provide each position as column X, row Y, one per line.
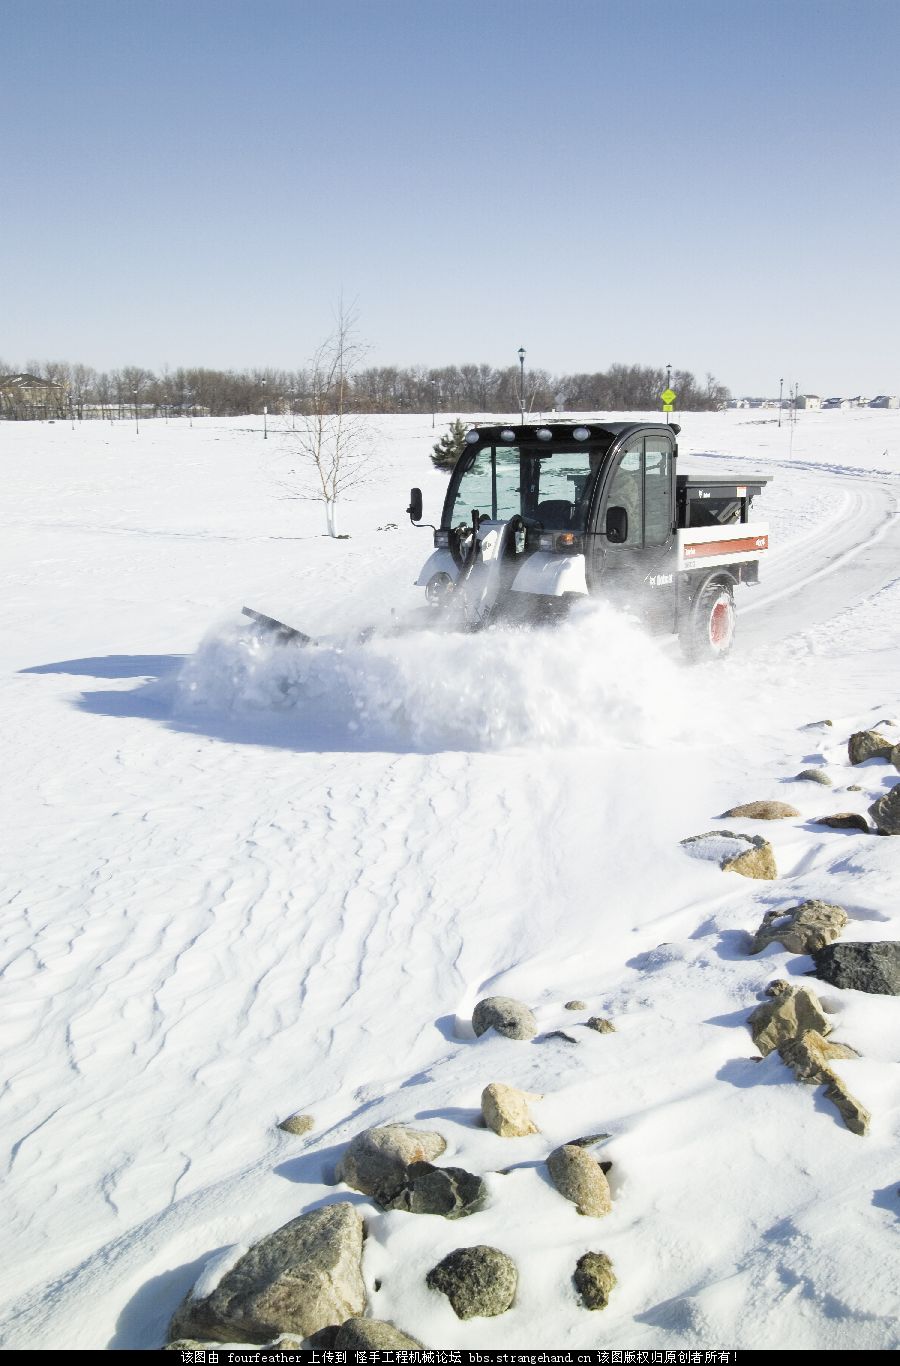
column 446, row 452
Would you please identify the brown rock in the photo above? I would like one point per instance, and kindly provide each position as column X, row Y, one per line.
column 602, row 1026
column 297, row 1124
column 844, row 820
column 886, row 811
column 505, row 1110
column 376, row 1160
column 580, row 1178
column 763, row 811
column 868, row 744
column 758, row 862
column 594, row 1279
column 808, row 1057
column 785, row 1017
column 801, row 929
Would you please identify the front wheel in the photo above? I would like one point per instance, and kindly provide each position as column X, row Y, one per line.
column 708, row 632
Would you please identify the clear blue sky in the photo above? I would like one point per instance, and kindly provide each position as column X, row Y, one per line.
column 712, row 183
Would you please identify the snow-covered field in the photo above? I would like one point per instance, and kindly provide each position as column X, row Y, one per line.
column 237, row 886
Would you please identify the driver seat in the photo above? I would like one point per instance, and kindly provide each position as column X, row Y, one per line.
column 555, row 514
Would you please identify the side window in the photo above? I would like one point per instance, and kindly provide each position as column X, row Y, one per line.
column 657, row 490
column 626, row 491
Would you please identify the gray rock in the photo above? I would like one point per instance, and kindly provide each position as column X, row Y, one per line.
column 478, row 1281
column 895, row 756
column 297, row 1124
column 576, row 1005
column 579, row 1178
column 510, row 1018
column 872, row 967
column 558, row 1034
column 588, row 1141
column 763, row 811
column 815, row 775
column 801, row 929
column 601, row 1025
column 376, row 1160
column 594, row 1279
column 886, row 811
column 787, row 1016
column 844, row 820
column 374, row 1334
column 505, row 1110
column 868, row 744
column 303, row 1277
column 448, row 1191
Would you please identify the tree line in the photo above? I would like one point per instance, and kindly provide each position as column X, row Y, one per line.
column 79, row 391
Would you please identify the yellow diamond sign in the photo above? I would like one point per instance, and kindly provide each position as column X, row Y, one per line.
column 668, row 395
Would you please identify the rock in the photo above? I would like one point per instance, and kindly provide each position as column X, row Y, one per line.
column 779, row 987
column 297, row 1124
column 376, row 1160
column 801, row 929
column 301, row 1278
column 872, row 967
column 579, row 1177
column 844, row 820
column 786, row 1016
column 763, row 811
column 808, row 1058
column 750, row 855
column 558, row 1034
column 594, row 1279
column 854, row 787
column 448, row 1191
column 576, row 1005
column 868, row 744
column 814, row 775
column 505, row 1110
column 895, row 756
column 375, row 1334
column 510, row 1018
column 601, row 1025
column 814, row 725
column 476, row 1280
column 886, row 812
column 758, row 862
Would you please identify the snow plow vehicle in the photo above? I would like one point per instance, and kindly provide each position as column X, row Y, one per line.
column 540, row 516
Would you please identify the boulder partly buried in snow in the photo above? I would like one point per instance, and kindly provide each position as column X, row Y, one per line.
column 808, row 1057
column 868, row 744
column 814, row 775
column 749, row 855
column 872, row 967
column 886, row 812
column 509, row 1017
column 579, row 1177
column 505, row 1110
column 297, row 1124
column 844, row 820
column 478, row 1281
column 762, row 811
column 801, row 929
column 786, row 1016
column 303, row 1277
column 376, row 1160
column 450, row 1192
column 594, row 1279
column 372, row 1334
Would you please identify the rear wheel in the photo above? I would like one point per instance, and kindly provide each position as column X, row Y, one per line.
column 708, row 632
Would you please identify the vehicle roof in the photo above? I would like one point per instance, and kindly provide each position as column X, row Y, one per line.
column 563, row 428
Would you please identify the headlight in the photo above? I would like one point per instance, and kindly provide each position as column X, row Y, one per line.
column 560, row 542
column 441, row 540
column 438, row 589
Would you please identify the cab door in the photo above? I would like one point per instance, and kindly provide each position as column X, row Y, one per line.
column 638, row 573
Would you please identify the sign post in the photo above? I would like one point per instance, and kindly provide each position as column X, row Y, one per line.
column 668, row 397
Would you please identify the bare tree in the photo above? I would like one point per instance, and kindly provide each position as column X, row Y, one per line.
column 332, row 443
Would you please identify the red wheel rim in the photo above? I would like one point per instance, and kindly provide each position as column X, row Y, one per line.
column 720, row 624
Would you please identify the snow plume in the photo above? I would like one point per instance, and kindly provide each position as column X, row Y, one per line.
column 596, row 680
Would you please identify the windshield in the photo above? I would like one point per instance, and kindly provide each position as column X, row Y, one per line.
column 551, row 489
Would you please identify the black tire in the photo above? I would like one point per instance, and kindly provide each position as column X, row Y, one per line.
column 709, row 630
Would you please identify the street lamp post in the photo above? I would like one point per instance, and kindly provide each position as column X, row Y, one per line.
column 265, row 413
column 433, row 384
column 780, row 393
column 137, row 422
column 522, row 384
column 668, row 376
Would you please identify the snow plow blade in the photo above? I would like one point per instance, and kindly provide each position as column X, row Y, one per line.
column 283, row 633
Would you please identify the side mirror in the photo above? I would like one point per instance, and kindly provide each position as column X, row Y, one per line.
column 415, row 505
column 616, row 526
